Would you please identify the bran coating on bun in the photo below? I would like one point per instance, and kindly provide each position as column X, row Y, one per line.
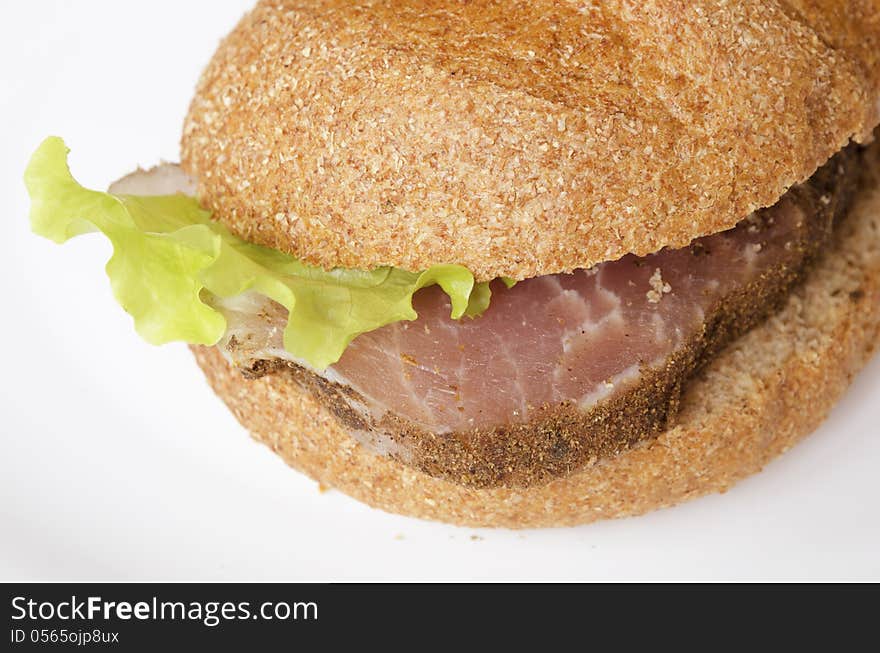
column 521, row 138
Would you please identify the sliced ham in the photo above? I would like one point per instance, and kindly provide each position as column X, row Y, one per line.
column 576, row 338
column 561, row 370
column 569, row 337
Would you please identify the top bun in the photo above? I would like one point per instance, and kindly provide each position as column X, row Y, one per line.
column 521, row 138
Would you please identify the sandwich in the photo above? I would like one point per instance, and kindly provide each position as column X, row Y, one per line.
column 514, row 264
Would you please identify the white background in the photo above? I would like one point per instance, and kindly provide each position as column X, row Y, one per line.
column 117, row 462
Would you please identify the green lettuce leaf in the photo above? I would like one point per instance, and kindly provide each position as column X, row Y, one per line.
column 167, row 253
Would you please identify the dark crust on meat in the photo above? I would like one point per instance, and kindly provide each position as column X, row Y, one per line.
column 561, row 439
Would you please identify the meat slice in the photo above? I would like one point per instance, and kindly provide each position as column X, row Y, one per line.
column 577, row 338
column 561, row 370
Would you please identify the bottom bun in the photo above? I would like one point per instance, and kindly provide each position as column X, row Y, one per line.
column 754, row 401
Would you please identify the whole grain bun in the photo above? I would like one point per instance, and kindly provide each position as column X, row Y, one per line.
column 521, row 138
column 755, row 400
